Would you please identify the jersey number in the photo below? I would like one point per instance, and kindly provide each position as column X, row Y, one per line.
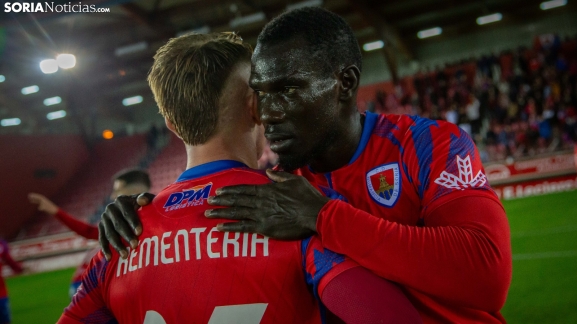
column 241, row 314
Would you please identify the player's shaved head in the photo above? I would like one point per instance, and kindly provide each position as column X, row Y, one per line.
column 188, row 77
column 329, row 39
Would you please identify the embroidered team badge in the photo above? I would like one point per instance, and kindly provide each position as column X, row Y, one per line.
column 384, row 184
column 465, row 178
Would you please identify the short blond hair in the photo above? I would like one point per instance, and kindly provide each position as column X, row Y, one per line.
column 187, row 79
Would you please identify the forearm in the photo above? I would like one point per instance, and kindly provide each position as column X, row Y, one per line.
column 359, row 296
column 464, row 258
column 81, row 228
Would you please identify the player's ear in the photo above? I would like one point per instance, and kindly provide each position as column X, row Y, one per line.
column 171, row 127
column 349, row 79
column 253, row 107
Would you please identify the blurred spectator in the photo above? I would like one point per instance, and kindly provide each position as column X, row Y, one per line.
column 5, row 258
column 513, row 104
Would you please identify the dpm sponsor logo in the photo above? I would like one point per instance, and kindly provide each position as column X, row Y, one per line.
column 194, row 196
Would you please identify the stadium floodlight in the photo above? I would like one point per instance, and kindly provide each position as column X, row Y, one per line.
column 373, row 45
column 132, row 100
column 552, row 4
column 132, row 48
column 489, row 19
column 246, row 20
column 30, row 89
column 52, row 101
column 56, row 114
column 309, row 3
column 66, row 61
column 10, row 122
column 429, row 32
column 2, row 78
column 48, row 66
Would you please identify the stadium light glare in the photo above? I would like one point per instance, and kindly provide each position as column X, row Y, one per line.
column 56, row 115
column 430, row 32
column 246, row 20
column 48, row 66
column 66, row 61
column 107, row 134
column 373, row 45
column 30, row 89
column 10, row 122
column 2, row 78
column 132, row 100
column 52, row 101
column 489, row 18
column 132, row 48
column 309, row 3
column 552, row 4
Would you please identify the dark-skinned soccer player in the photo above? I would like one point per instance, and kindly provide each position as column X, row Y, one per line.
column 185, row 270
column 420, row 211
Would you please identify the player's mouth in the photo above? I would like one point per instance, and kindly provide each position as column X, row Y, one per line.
column 279, row 143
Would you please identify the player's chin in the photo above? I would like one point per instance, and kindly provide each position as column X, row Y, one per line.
column 290, row 162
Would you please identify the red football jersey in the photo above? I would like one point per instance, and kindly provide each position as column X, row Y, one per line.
column 185, row 271
column 453, row 265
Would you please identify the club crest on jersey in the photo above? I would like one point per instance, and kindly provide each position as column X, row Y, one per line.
column 384, row 184
column 194, row 196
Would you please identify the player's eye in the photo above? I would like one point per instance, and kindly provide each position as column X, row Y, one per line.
column 290, row 90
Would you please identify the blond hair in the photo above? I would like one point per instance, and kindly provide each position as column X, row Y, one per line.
column 187, row 79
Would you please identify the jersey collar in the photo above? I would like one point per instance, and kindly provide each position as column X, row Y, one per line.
column 369, row 125
column 370, row 122
column 209, row 168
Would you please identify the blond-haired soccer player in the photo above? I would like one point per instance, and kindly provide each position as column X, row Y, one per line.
column 184, row 270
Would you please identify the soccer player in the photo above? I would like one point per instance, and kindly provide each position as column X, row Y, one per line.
column 126, row 182
column 5, row 258
column 420, row 211
column 184, row 269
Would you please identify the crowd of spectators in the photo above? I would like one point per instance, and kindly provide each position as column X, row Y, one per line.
column 514, row 104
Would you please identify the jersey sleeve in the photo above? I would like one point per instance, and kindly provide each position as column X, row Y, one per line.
column 322, row 265
column 88, row 304
column 443, row 163
column 81, row 228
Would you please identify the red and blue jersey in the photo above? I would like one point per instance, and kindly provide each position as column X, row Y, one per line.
column 405, row 171
column 186, row 271
column 6, row 258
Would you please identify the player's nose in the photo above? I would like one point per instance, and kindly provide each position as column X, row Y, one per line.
column 271, row 113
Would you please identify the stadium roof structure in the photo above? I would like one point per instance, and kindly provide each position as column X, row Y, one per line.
column 114, row 50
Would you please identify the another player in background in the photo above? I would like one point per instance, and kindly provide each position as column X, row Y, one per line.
column 6, row 259
column 126, row 182
column 420, row 211
column 184, row 270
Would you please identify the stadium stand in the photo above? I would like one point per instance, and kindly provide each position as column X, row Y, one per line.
column 516, row 104
column 519, row 103
column 45, row 163
column 90, row 187
column 168, row 165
